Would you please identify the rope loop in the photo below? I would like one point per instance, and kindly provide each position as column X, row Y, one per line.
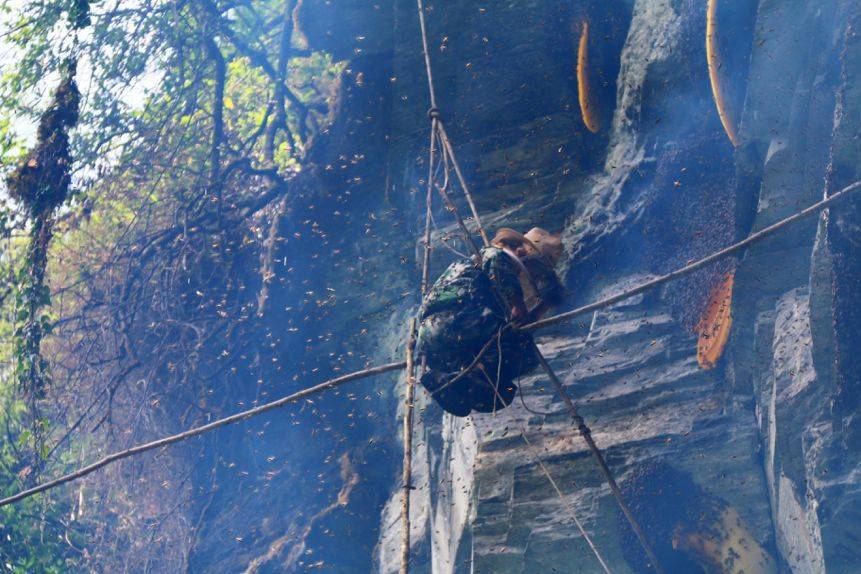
column 435, row 114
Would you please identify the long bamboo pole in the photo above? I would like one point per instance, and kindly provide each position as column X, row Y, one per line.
column 562, row 317
column 183, row 436
column 408, row 450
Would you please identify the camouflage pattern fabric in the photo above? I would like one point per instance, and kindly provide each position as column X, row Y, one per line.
column 462, row 310
column 461, row 313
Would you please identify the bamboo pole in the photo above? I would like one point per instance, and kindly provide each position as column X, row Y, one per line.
column 562, row 317
column 173, row 439
column 696, row 265
column 408, row 450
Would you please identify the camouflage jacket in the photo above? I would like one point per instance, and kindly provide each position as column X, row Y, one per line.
column 462, row 311
column 462, row 284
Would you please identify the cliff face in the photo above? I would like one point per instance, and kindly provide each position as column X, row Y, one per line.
column 767, row 437
column 769, row 431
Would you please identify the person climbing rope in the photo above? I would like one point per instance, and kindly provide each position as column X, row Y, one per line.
column 462, row 334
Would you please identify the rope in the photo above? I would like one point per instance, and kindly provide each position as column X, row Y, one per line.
column 530, row 409
column 585, row 433
column 695, row 266
column 425, row 285
column 173, row 439
column 437, row 125
column 379, row 369
column 443, row 136
column 681, row 272
column 570, row 362
column 578, row 420
column 449, row 204
column 535, row 456
column 565, row 502
column 438, row 129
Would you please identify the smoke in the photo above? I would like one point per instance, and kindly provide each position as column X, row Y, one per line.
column 667, row 194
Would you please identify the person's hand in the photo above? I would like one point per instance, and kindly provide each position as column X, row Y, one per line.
column 519, row 314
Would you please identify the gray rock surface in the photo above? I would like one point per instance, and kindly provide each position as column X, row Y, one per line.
column 660, row 185
column 757, row 432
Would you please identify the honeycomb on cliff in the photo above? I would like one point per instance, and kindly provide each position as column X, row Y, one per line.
column 715, row 323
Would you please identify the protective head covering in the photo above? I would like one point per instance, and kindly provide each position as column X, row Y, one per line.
column 549, row 245
column 507, row 237
column 537, row 239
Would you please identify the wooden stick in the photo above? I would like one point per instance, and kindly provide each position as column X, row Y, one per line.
column 816, row 207
column 688, row 269
column 241, row 416
column 408, row 450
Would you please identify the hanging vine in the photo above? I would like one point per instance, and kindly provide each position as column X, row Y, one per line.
column 40, row 185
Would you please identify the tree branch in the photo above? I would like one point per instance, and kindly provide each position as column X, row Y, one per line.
column 280, row 120
column 215, row 182
column 259, row 59
column 241, row 416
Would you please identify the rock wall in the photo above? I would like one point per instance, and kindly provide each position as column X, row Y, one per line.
column 768, row 437
column 790, row 300
column 660, row 186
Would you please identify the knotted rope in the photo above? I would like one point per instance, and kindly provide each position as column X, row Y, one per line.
column 397, row 366
column 438, row 127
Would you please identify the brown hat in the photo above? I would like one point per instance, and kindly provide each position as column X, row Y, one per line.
column 549, row 245
column 541, row 240
column 511, row 238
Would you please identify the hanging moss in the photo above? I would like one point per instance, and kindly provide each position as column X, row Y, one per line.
column 40, row 183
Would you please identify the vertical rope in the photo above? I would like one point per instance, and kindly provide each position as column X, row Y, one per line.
column 585, row 432
column 428, row 213
column 437, row 125
column 449, row 204
column 408, row 451
column 534, row 454
column 448, row 148
column 564, row 501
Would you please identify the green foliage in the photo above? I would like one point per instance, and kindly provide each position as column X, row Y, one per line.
column 40, row 185
column 147, row 64
column 11, row 147
column 142, row 223
column 39, row 534
column 31, row 323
